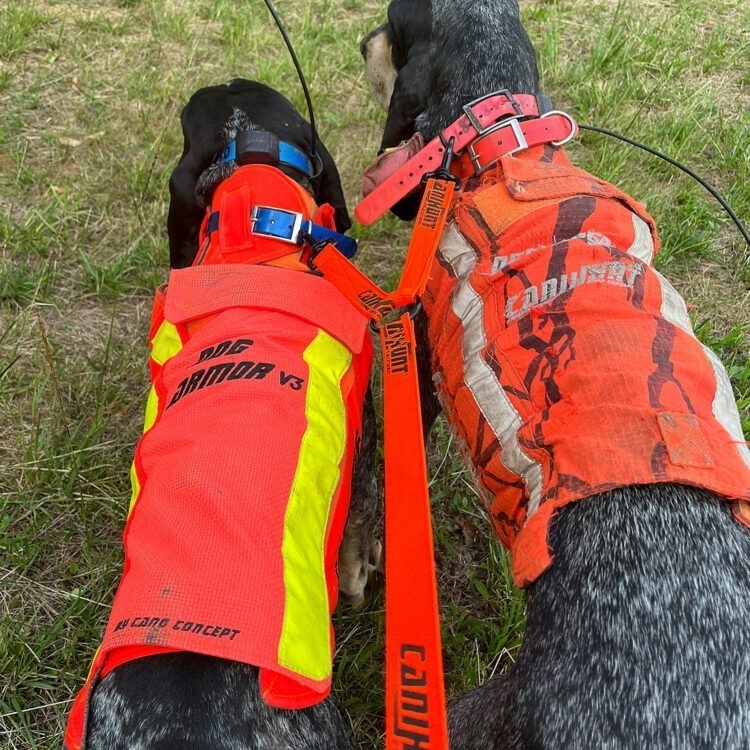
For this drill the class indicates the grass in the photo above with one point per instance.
(90, 94)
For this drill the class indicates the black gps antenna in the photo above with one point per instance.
(314, 157)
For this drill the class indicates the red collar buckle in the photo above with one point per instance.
(485, 112)
(509, 136)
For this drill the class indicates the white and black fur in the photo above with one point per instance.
(184, 700)
(637, 636)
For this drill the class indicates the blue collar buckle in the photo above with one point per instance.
(287, 226)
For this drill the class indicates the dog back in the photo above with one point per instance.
(556, 340)
(242, 478)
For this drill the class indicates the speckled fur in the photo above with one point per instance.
(179, 701)
(476, 48)
(637, 636)
(183, 700)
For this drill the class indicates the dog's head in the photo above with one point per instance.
(212, 118)
(434, 56)
(396, 58)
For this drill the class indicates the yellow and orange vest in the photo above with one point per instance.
(242, 479)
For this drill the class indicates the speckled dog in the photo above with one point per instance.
(180, 699)
(637, 632)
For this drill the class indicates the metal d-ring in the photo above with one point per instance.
(395, 314)
(573, 125)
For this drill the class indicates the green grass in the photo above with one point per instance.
(90, 94)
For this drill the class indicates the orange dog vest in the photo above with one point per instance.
(242, 479)
(566, 361)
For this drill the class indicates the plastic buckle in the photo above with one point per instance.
(293, 239)
(476, 123)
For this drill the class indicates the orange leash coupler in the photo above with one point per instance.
(414, 692)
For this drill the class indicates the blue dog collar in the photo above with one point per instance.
(262, 147)
(287, 226)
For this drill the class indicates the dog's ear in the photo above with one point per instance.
(407, 102)
(328, 188)
(410, 32)
(184, 218)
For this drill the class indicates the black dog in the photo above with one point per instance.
(181, 700)
(637, 634)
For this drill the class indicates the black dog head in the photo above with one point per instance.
(211, 118)
(444, 54)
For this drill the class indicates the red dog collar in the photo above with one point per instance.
(511, 136)
(481, 118)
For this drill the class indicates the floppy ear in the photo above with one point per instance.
(328, 188)
(184, 218)
(407, 102)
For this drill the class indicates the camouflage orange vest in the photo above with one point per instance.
(566, 361)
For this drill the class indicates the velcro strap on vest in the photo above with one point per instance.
(200, 291)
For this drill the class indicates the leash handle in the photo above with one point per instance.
(415, 707)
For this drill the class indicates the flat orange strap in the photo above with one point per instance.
(415, 708)
(415, 695)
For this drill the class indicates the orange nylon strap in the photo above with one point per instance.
(415, 713)
(414, 689)
(425, 236)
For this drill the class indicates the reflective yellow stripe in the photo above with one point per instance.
(165, 344)
(305, 646)
(135, 487)
(152, 409)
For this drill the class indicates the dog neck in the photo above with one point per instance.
(236, 229)
(251, 146)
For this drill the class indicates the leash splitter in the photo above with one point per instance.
(391, 317)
